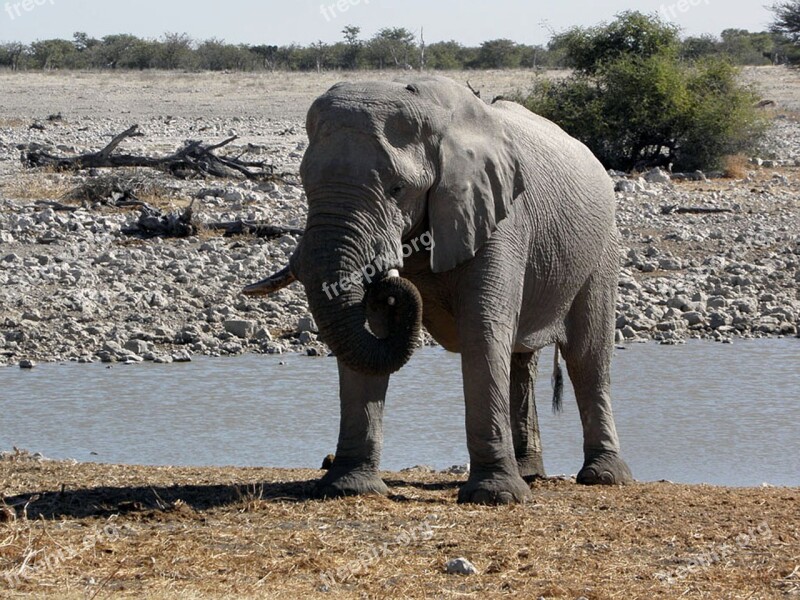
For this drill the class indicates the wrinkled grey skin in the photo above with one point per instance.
(524, 255)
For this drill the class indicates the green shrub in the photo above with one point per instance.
(645, 109)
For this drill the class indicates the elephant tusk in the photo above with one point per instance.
(272, 284)
(393, 273)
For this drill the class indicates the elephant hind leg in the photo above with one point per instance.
(524, 420)
(588, 351)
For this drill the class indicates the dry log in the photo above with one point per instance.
(692, 210)
(260, 229)
(193, 159)
(153, 222)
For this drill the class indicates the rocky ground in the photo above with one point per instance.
(73, 286)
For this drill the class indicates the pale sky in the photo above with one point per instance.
(305, 21)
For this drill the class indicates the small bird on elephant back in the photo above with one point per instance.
(488, 225)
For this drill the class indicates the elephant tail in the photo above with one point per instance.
(558, 383)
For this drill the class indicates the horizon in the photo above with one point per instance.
(310, 21)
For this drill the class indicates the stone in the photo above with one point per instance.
(657, 175)
(307, 324)
(139, 347)
(460, 566)
(241, 329)
(181, 357)
(719, 319)
(693, 318)
(27, 365)
(670, 263)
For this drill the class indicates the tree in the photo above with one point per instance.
(392, 45)
(787, 20)
(51, 54)
(631, 34)
(175, 51)
(268, 55)
(354, 46)
(445, 55)
(10, 55)
(498, 54)
(644, 107)
(694, 48)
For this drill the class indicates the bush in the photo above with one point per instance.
(646, 109)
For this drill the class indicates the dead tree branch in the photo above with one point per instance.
(192, 160)
(692, 210)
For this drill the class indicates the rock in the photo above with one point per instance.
(27, 364)
(457, 470)
(670, 263)
(182, 357)
(139, 347)
(693, 318)
(263, 335)
(307, 338)
(241, 329)
(307, 324)
(657, 175)
(460, 566)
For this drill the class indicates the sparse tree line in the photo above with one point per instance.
(389, 48)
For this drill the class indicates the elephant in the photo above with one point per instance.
(485, 223)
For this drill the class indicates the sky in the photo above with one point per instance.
(282, 22)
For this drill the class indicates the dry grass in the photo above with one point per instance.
(100, 531)
(35, 185)
(736, 166)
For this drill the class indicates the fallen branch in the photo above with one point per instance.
(154, 222)
(692, 210)
(194, 159)
(257, 228)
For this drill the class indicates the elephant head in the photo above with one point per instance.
(388, 163)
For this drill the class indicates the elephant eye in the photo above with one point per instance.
(396, 189)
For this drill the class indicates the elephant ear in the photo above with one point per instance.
(479, 179)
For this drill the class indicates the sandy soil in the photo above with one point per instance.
(84, 531)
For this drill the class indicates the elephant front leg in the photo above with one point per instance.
(358, 453)
(494, 474)
(524, 420)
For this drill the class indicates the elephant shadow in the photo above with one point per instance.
(103, 502)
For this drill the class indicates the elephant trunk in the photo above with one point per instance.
(333, 275)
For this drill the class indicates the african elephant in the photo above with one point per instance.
(489, 225)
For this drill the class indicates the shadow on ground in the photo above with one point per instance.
(107, 501)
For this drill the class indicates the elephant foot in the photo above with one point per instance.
(494, 488)
(531, 468)
(340, 482)
(605, 469)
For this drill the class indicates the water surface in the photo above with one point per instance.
(703, 412)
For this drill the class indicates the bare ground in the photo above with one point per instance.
(99, 531)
